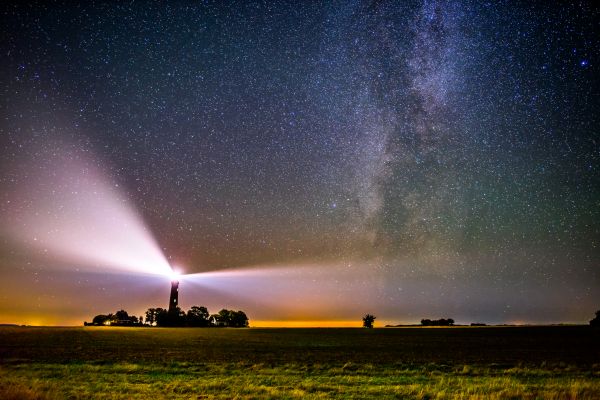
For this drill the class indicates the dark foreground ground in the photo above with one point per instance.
(487, 362)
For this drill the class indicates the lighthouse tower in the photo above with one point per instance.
(174, 299)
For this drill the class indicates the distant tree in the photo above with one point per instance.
(151, 316)
(122, 315)
(596, 321)
(161, 317)
(238, 319)
(368, 320)
(120, 318)
(197, 316)
(234, 319)
(100, 319)
(222, 318)
(224, 314)
(437, 322)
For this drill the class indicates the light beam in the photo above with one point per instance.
(69, 210)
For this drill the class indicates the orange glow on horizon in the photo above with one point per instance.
(36, 320)
(306, 324)
(46, 320)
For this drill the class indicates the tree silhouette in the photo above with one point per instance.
(238, 319)
(234, 319)
(122, 315)
(368, 320)
(112, 318)
(151, 316)
(596, 321)
(100, 319)
(197, 316)
(161, 317)
(437, 322)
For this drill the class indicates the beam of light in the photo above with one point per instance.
(282, 273)
(286, 292)
(70, 211)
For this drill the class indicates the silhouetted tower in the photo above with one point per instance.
(174, 300)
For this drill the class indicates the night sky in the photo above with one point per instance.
(322, 159)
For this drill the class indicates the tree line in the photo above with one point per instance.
(437, 322)
(196, 316)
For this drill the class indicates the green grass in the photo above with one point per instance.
(453, 363)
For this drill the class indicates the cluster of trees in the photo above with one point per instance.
(236, 319)
(120, 318)
(195, 317)
(437, 322)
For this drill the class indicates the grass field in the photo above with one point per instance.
(423, 363)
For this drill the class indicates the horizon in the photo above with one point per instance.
(42, 321)
(323, 324)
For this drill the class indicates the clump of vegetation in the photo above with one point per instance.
(368, 320)
(120, 318)
(235, 319)
(437, 322)
(196, 316)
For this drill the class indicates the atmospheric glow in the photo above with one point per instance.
(310, 324)
(82, 218)
(294, 292)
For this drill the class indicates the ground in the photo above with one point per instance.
(424, 363)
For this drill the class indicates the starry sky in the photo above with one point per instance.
(416, 159)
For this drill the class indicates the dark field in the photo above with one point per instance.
(506, 362)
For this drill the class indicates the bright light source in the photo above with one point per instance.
(175, 274)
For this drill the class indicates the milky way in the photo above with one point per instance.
(420, 159)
